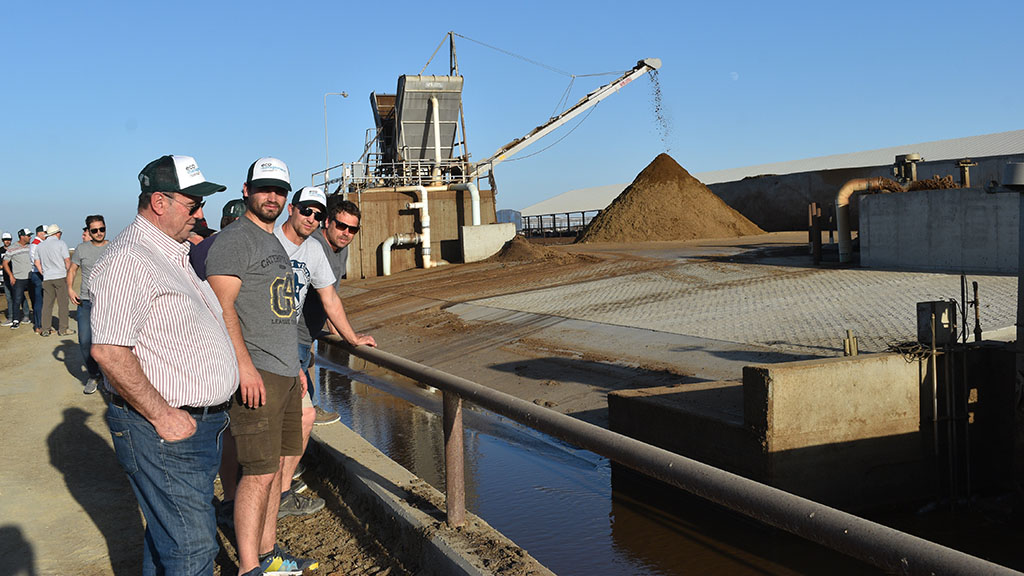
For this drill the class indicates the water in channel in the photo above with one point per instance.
(557, 501)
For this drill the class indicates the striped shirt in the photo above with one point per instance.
(146, 296)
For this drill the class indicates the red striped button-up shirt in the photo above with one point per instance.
(146, 296)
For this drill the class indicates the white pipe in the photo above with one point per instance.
(422, 206)
(436, 117)
(474, 196)
(385, 248)
(843, 211)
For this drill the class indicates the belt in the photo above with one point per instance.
(120, 402)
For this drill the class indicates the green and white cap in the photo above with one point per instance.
(267, 172)
(176, 174)
(310, 195)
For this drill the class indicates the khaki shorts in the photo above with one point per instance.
(265, 434)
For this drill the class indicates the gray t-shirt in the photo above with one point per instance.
(266, 299)
(313, 314)
(20, 258)
(51, 254)
(85, 256)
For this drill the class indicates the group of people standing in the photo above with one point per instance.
(41, 269)
(205, 348)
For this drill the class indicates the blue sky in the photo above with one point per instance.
(94, 91)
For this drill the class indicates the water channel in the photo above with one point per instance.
(557, 501)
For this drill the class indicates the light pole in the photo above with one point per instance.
(327, 155)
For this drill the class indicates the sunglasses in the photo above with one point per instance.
(192, 208)
(98, 230)
(342, 226)
(307, 211)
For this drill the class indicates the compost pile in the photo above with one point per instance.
(520, 249)
(663, 203)
(933, 183)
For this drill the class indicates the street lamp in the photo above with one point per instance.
(327, 155)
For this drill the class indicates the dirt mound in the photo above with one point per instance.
(933, 183)
(520, 249)
(665, 202)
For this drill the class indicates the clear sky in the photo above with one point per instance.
(92, 91)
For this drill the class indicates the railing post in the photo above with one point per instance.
(454, 470)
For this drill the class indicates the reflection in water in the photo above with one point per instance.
(555, 500)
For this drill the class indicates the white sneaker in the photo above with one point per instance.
(8, 323)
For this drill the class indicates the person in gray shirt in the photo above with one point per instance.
(85, 256)
(53, 259)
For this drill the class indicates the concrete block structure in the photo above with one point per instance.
(842, 431)
(952, 230)
(482, 242)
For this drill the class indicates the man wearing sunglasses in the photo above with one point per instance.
(85, 256)
(159, 336)
(340, 227)
(312, 268)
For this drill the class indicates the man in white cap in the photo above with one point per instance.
(14, 315)
(252, 276)
(158, 334)
(312, 268)
(53, 260)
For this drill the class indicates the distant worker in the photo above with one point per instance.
(159, 336)
(18, 265)
(12, 314)
(36, 279)
(84, 258)
(312, 268)
(53, 259)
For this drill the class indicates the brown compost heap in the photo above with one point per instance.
(665, 202)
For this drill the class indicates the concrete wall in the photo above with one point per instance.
(779, 202)
(957, 230)
(384, 214)
(845, 431)
(842, 431)
(482, 242)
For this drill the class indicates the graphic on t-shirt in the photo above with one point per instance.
(282, 296)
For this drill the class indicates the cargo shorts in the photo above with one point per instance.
(266, 433)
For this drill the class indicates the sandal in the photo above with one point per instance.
(67, 332)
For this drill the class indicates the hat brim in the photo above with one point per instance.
(203, 189)
(309, 203)
(270, 182)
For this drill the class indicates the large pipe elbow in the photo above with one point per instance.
(843, 212)
(474, 197)
(385, 248)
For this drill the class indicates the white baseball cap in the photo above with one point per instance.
(310, 195)
(176, 174)
(267, 172)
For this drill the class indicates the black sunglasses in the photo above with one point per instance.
(342, 226)
(192, 208)
(308, 211)
(98, 230)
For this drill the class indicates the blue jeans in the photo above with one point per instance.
(9, 293)
(85, 338)
(37, 298)
(305, 359)
(173, 483)
(20, 287)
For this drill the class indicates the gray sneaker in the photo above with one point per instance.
(293, 504)
(299, 486)
(90, 386)
(325, 416)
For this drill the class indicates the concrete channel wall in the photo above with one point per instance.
(841, 431)
(953, 230)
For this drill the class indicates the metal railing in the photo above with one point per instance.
(875, 544)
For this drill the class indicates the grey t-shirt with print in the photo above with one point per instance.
(266, 299)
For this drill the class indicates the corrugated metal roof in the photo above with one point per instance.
(998, 144)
